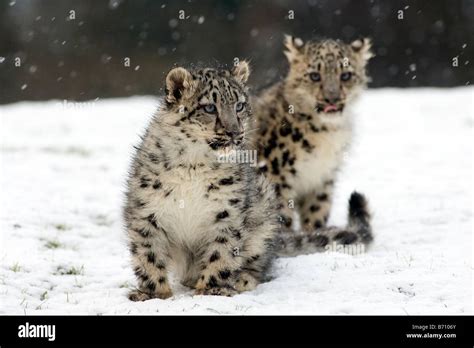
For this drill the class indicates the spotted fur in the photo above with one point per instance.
(305, 126)
(213, 224)
(357, 232)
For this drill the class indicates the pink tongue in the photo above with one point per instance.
(330, 107)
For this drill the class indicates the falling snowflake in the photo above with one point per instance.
(161, 51)
(113, 4)
(393, 70)
(439, 26)
(105, 58)
(201, 19)
(175, 35)
(173, 23)
(24, 86)
(254, 32)
(137, 67)
(2, 59)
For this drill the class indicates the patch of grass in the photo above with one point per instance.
(62, 227)
(44, 296)
(15, 267)
(72, 150)
(52, 244)
(73, 270)
(125, 285)
(101, 220)
(78, 151)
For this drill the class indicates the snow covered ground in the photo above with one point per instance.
(63, 250)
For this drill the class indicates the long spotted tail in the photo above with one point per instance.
(357, 233)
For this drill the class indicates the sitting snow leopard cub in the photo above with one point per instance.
(212, 223)
(304, 124)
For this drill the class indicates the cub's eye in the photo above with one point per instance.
(210, 108)
(314, 76)
(239, 106)
(346, 76)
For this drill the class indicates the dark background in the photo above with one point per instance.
(83, 58)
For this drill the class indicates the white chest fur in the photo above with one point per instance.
(186, 213)
(320, 165)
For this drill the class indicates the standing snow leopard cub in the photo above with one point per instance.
(305, 125)
(212, 223)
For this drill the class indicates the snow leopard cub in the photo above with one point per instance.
(305, 125)
(212, 223)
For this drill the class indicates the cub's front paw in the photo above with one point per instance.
(137, 295)
(245, 282)
(219, 291)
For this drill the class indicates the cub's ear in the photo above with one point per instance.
(179, 83)
(362, 47)
(241, 71)
(294, 47)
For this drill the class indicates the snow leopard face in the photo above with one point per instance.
(212, 104)
(326, 75)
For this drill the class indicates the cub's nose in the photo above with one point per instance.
(236, 137)
(233, 134)
(332, 100)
